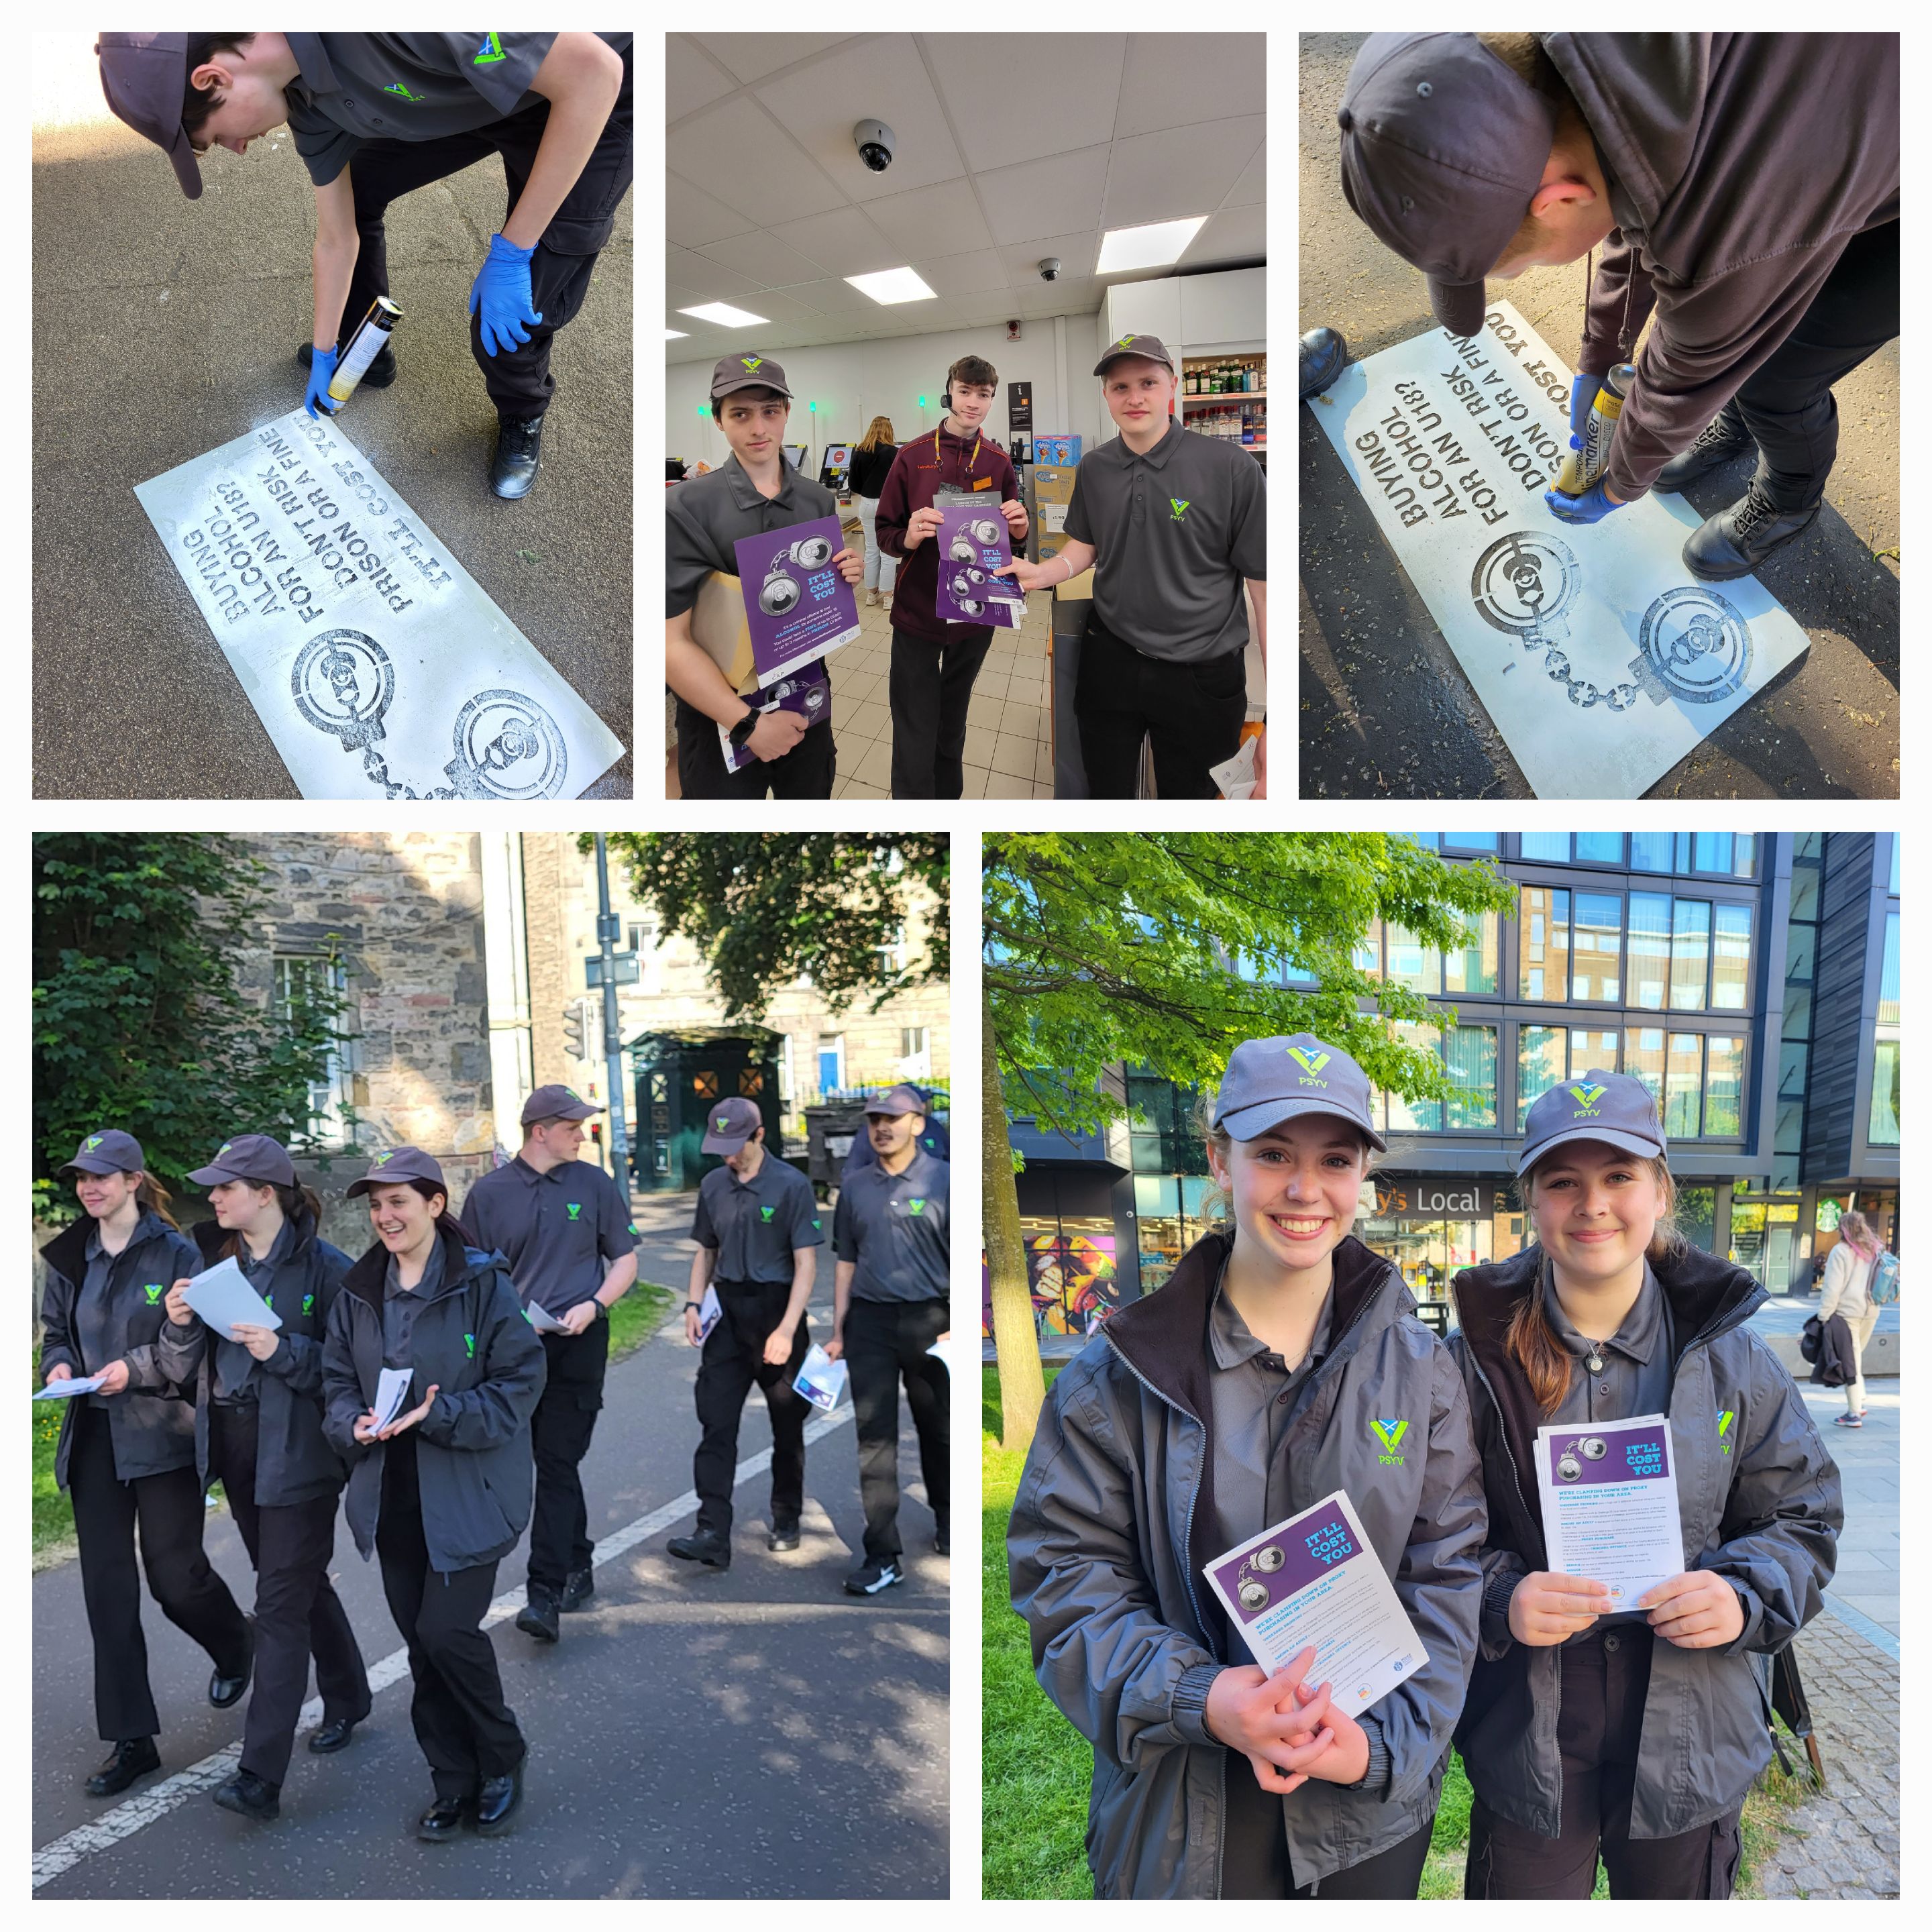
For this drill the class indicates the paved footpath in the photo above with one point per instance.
(756, 1734)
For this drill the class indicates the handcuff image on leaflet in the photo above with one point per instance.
(781, 592)
(967, 585)
(981, 532)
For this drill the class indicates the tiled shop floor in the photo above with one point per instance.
(1009, 733)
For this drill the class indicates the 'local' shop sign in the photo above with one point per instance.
(1601, 659)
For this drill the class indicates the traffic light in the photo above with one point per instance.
(574, 1043)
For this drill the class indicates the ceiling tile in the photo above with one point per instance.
(763, 257)
(1235, 235)
(691, 80)
(833, 296)
(980, 271)
(945, 217)
(751, 56)
(841, 243)
(1015, 97)
(716, 283)
(1064, 191)
(1252, 185)
(1174, 80)
(1181, 171)
(750, 164)
(692, 217)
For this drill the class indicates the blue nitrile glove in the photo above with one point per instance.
(1592, 507)
(1582, 393)
(319, 371)
(502, 286)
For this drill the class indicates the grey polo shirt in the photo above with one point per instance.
(756, 1225)
(705, 516)
(401, 1306)
(1178, 531)
(894, 1227)
(354, 87)
(558, 1231)
(234, 1366)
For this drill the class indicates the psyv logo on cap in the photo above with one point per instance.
(1587, 1098)
(1310, 1064)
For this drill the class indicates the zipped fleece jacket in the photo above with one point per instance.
(1112, 1527)
(473, 1343)
(152, 1426)
(1760, 1501)
(1739, 165)
(294, 1462)
(916, 478)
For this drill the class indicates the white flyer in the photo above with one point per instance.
(1315, 1579)
(379, 666)
(710, 1312)
(542, 1320)
(223, 1295)
(1234, 778)
(1608, 1492)
(64, 1391)
(392, 1390)
(820, 1380)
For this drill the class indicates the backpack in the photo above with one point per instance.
(1884, 1286)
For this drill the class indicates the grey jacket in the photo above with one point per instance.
(1110, 1535)
(151, 1426)
(1761, 1506)
(472, 1343)
(294, 1462)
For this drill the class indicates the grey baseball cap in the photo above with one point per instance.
(557, 1103)
(1442, 146)
(902, 1099)
(112, 1152)
(144, 76)
(730, 1124)
(248, 1157)
(747, 372)
(1614, 1108)
(1151, 346)
(399, 1163)
(1270, 1081)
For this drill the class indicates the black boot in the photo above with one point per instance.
(253, 1797)
(1735, 542)
(333, 1735)
(223, 1690)
(783, 1536)
(706, 1547)
(579, 1587)
(518, 446)
(538, 1618)
(443, 1820)
(380, 374)
(1722, 438)
(497, 1801)
(130, 1759)
(1324, 355)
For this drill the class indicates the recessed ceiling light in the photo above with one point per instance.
(675, 334)
(724, 314)
(893, 285)
(1153, 246)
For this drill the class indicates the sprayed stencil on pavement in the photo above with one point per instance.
(376, 662)
(1601, 660)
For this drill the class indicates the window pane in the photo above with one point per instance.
(1412, 963)
(1690, 952)
(1800, 952)
(1683, 1079)
(1546, 845)
(1544, 938)
(1367, 954)
(1883, 1131)
(1681, 856)
(1643, 1057)
(1470, 1053)
(1744, 861)
(1805, 892)
(1592, 1051)
(1724, 1088)
(1649, 948)
(1599, 848)
(1887, 983)
(1790, 1127)
(1593, 942)
(1895, 865)
(1714, 851)
(1430, 842)
(1155, 1194)
(1797, 1012)
(1650, 851)
(1472, 968)
(1483, 841)
(1539, 1065)
(1730, 958)
(1807, 845)
(1422, 1116)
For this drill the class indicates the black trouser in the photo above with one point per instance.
(931, 686)
(1193, 712)
(566, 1413)
(1255, 1862)
(1606, 1678)
(733, 1359)
(886, 1342)
(170, 1512)
(806, 771)
(1788, 406)
(466, 1731)
(297, 1612)
(518, 378)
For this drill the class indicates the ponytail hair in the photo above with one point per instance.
(151, 1195)
(294, 1202)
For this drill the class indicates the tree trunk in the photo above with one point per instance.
(1022, 1385)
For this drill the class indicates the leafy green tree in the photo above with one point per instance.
(139, 1021)
(1166, 950)
(768, 908)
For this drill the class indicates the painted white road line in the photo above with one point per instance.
(134, 1814)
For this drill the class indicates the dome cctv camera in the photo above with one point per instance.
(1049, 269)
(875, 141)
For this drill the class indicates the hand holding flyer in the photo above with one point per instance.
(797, 606)
(973, 544)
(710, 1312)
(820, 1380)
(809, 692)
(1608, 1495)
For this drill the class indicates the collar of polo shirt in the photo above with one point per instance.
(317, 70)
(1156, 457)
(744, 493)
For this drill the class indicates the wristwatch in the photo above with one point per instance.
(694, 1304)
(741, 732)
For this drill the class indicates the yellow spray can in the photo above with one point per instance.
(1581, 467)
(372, 335)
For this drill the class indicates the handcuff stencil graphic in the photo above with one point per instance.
(1588, 1448)
(967, 585)
(970, 539)
(782, 592)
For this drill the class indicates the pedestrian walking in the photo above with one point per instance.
(564, 1226)
(1632, 1736)
(1281, 1361)
(890, 1288)
(871, 464)
(126, 1456)
(757, 1228)
(258, 1431)
(1848, 1271)
(441, 1493)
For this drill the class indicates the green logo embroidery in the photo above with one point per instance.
(633, 1227)
(1588, 1096)
(382, 1157)
(752, 361)
(91, 1141)
(1180, 506)
(397, 88)
(916, 1206)
(470, 1346)
(1309, 1063)
(1724, 1419)
(308, 1304)
(268, 1303)
(724, 1125)
(153, 1292)
(1389, 1431)
(764, 1213)
(574, 1094)
(817, 1223)
(1123, 341)
(223, 1149)
(574, 1208)
(491, 51)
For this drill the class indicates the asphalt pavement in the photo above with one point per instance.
(752, 1734)
(1386, 710)
(163, 328)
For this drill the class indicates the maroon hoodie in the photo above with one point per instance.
(917, 475)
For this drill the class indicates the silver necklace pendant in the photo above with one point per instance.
(1593, 1363)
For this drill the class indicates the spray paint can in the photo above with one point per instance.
(1581, 467)
(371, 335)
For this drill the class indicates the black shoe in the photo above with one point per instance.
(538, 1618)
(1734, 541)
(706, 1547)
(1324, 355)
(1719, 440)
(130, 1759)
(942, 1540)
(869, 1579)
(497, 1801)
(783, 1536)
(253, 1797)
(579, 1587)
(224, 1691)
(333, 1735)
(518, 446)
(443, 1820)
(380, 374)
